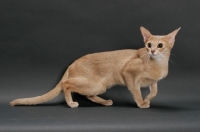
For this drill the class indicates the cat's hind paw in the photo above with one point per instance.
(108, 102)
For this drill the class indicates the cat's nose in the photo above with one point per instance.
(152, 51)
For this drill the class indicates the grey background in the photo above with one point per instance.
(40, 38)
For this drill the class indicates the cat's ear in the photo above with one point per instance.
(145, 33)
(171, 37)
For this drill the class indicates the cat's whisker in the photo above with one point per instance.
(147, 57)
(171, 54)
(161, 58)
(143, 56)
(174, 63)
(168, 53)
(169, 59)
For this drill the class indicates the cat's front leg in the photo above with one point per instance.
(152, 94)
(135, 90)
(134, 87)
(138, 98)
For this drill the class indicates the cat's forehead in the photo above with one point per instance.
(156, 39)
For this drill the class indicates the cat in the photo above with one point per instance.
(93, 74)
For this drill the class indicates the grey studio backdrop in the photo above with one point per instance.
(40, 38)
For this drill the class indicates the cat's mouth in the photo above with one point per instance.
(155, 55)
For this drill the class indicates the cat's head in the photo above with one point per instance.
(157, 45)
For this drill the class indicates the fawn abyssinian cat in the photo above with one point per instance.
(92, 74)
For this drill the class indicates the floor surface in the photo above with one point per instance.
(175, 108)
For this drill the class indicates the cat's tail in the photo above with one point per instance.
(39, 99)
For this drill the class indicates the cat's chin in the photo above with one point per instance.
(156, 57)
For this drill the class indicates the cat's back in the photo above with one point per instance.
(111, 61)
(117, 55)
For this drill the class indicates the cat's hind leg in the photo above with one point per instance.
(84, 87)
(99, 100)
(67, 88)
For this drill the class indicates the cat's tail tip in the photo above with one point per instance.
(15, 102)
(12, 103)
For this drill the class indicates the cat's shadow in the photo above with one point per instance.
(156, 107)
(132, 105)
(167, 108)
(126, 103)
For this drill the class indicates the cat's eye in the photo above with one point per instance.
(160, 45)
(149, 45)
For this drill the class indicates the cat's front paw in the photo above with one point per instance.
(144, 105)
(73, 104)
(147, 101)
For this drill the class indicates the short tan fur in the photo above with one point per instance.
(93, 74)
